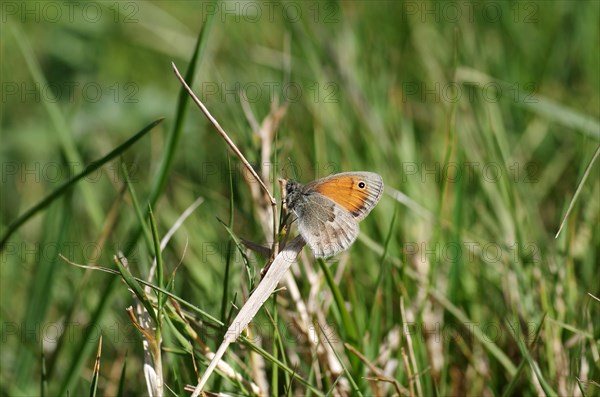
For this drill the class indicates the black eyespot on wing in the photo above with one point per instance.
(362, 184)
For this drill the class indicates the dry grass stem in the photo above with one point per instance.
(223, 134)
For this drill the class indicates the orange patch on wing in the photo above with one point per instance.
(346, 192)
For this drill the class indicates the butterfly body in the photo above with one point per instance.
(329, 209)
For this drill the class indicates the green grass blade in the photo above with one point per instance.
(72, 373)
(353, 384)
(96, 372)
(578, 190)
(539, 104)
(348, 325)
(136, 206)
(159, 261)
(55, 227)
(508, 391)
(61, 127)
(181, 339)
(207, 317)
(14, 225)
(43, 379)
(121, 388)
(281, 365)
(136, 288)
(229, 245)
(181, 111)
(477, 333)
(532, 364)
(515, 332)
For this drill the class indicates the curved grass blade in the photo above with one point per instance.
(96, 375)
(135, 287)
(579, 187)
(349, 326)
(136, 205)
(532, 364)
(57, 118)
(539, 104)
(14, 225)
(508, 391)
(229, 244)
(120, 390)
(353, 384)
(159, 264)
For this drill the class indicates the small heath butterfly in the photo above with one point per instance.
(330, 208)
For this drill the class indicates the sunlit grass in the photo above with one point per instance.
(487, 125)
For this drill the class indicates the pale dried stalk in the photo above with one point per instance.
(152, 353)
(153, 365)
(223, 134)
(280, 265)
(266, 133)
(165, 240)
(411, 351)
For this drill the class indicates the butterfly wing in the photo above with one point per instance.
(327, 228)
(356, 192)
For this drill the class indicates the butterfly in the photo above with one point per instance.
(328, 210)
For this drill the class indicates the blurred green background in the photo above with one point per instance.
(480, 116)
